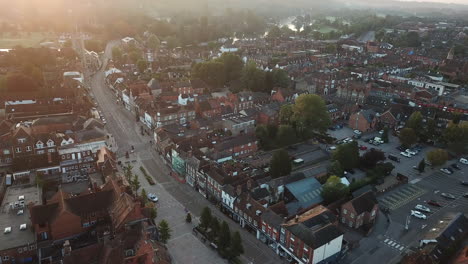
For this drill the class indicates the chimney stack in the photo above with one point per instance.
(239, 190)
(297, 218)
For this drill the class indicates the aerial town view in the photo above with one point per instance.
(233, 132)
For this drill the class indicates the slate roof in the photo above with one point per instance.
(315, 239)
(364, 203)
(306, 191)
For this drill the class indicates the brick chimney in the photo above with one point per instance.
(249, 184)
(239, 190)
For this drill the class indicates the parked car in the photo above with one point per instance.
(332, 148)
(448, 196)
(357, 132)
(418, 214)
(405, 154)
(347, 140)
(464, 183)
(394, 158)
(455, 166)
(152, 197)
(464, 161)
(434, 203)
(446, 171)
(422, 208)
(381, 132)
(362, 147)
(411, 152)
(401, 148)
(465, 195)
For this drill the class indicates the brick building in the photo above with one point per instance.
(360, 211)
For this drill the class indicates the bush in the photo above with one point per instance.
(147, 177)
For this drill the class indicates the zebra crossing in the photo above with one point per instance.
(393, 244)
(402, 196)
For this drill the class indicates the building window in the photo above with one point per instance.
(345, 211)
(18, 150)
(28, 148)
(51, 150)
(343, 220)
(6, 257)
(6, 152)
(373, 213)
(21, 140)
(85, 224)
(352, 215)
(40, 152)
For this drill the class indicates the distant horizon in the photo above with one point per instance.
(463, 2)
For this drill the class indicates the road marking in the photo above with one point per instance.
(386, 240)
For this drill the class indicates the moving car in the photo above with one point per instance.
(405, 154)
(152, 197)
(422, 208)
(448, 196)
(446, 171)
(434, 203)
(418, 214)
(464, 161)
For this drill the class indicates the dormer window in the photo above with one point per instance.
(39, 145)
(50, 143)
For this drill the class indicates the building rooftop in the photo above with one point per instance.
(9, 216)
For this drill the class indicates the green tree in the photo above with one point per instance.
(274, 33)
(280, 78)
(135, 183)
(144, 196)
(94, 45)
(310, 115)
(253, 78)
(261, 132)
(164, 231)
(214, 228)
(437, 157)
(286, 135)
(334, 190)
(347, 155)
(456, 137)
(128, 172)
(153, 42)
(415, 121)
(335, 169)
(371, 158)
(408, 137)
(205, 218)
(153, 212)
(117, 54)
(233, 66)
(280, 164)
(286, 114)
(224, 239)
(385, 135)
(422, 166)
(142, 65)
(212, 72)
(134, 56)
(236, 246)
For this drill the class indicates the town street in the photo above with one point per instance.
(121, 123)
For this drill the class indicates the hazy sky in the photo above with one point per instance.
(442, 1)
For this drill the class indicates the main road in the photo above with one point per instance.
(126, 131)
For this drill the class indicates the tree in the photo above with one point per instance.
(253, 78)
(142, 65)
(117, 54)
(188, 218)
(236, 246)
(408, 137)
(134, 56)
(285, 114)
(422, 166)
(153, 42)
(385, 135)
(275, 32)
(164, 231)
(212, 72)
(456, 137)
(310, 114)
(233, 66)
(336, 169)
(347, 155)
(153, 212)
(286, 135)
(144, 195)
(280, 164)
(224, 239)
(261, 132)
(205, 218)
(135, 183)
(437, 157)
(371, 157)
(415, 121)
(128, 172)
(18, 82)
(214, 227)
(94, 45)
(334, 190)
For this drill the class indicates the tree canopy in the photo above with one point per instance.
(437, 157)
(347, 155)
(408, 137)
(280, 164)
(310, 115)
(334, 190)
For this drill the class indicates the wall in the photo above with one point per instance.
(327, 250)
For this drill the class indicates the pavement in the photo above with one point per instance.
(174, 196)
